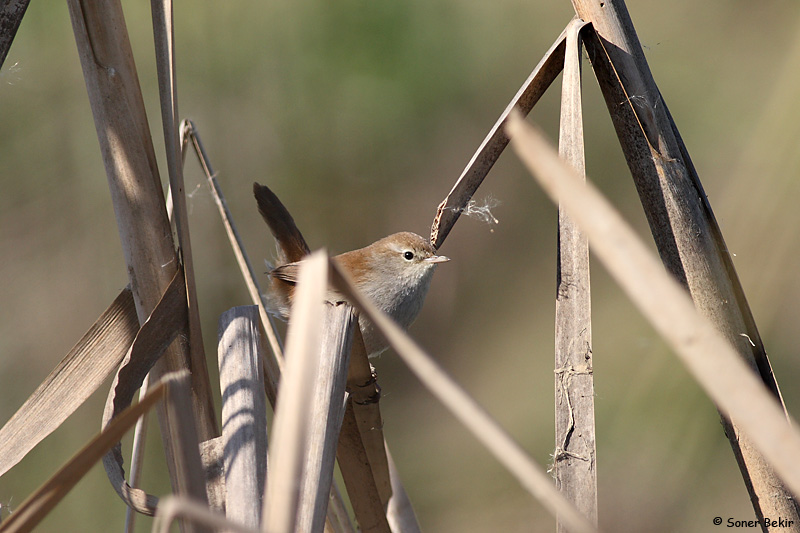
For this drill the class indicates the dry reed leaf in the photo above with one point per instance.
(495, 142)
(87, 365)
(288, 442)
(156, 334)
(38, 504)
(467, 410)
(730, 383)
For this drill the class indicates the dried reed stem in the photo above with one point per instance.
(164, 38)
(288, 444)
(358, 477)
(127, 150)
(244, 414)
(574, 460)
(189, 468)
(325, 402)
(82, 371)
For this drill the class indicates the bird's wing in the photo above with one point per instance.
(287, 272)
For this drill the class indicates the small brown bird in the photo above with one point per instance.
(395, 272)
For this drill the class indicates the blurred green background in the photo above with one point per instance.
(361, 115)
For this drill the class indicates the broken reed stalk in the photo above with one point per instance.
(244, 414)
(574, 459)
(129, 158)
(495, 142)
(681, 220)
(139, 444)
(708, 356)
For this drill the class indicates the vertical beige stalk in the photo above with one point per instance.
(164, 37)
(289, 442)
(244, 414)
(574, 460)
(683, 225)
(127, 150)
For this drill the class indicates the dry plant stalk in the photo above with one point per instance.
(574, 459)
(127, 149)
(164, 38)
(365, 395)
(683, 225)
(189, 469)
(325, 403)
(708, 356)
(288, 444)
(159, 330)
(358, 477)
(244, 414)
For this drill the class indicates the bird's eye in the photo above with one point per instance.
(408, 255)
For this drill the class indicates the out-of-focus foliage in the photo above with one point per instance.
(360, 115)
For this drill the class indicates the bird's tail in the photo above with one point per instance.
(292, 246)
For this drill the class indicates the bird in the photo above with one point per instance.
(394, 272)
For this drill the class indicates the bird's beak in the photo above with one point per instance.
(437, 259)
